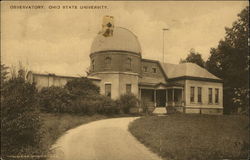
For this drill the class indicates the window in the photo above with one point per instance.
(128, 63)
(192, 94)
(154, 70)
(108, 90)
(128, 88)
(216, 95)
(145, 69)
(199, 94)
(93, 64)
(210, 95)
(108, 62)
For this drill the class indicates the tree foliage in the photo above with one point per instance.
(230, 62)
(20, 118)
(194, 57)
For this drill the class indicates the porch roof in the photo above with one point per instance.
(161, 85)
(151, 80)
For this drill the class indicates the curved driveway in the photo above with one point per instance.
(102, 140)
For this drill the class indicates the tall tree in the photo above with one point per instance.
(194, 57)
(230, 62)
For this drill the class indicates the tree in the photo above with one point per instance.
(19, 71)
(194, 57)
(20, 120)
(230, 62)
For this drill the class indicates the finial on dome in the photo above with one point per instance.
(107, 26)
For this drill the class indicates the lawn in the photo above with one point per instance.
(55, 125)
(194, 137)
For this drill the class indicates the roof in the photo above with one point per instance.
(122, 40)
(186, 70)
(151, 80)
(59, 75)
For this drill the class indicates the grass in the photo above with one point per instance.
(194, 137)
(55, 125)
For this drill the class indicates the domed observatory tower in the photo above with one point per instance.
(116, 60)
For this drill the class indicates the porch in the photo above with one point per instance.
(163, 95)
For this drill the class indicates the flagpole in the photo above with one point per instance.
(163, 37)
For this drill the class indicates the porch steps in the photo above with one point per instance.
(160, 110)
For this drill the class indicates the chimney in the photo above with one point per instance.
(108, 26)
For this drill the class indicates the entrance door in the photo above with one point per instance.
(160, 98)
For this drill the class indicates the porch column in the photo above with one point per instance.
(182, 97)
(182, 100)
(166, 97)
(173, 97)
(139, 94)
(155, 97)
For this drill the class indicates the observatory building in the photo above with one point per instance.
(117, 67)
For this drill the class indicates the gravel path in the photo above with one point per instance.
(102, 140)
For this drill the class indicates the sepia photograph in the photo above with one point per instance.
(125, 80)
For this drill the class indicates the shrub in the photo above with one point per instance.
(82, 87)
(127, 101)
(55, 100)
(108, 106)
(20, 118)
(79, 96)
(146, 104)
(96, 104)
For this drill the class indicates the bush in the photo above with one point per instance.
(55, 100)
(127, 101)
(82, 87)
(146, 104)
(59, 100)
(95, 104)
(108, 106)
(20, 118)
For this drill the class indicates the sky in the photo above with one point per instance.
(59, 40)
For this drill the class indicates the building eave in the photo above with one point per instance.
(195, 79)
(116, 51)
(60, 76)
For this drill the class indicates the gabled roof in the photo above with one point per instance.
(186, 70)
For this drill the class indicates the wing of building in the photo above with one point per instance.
(117, 67)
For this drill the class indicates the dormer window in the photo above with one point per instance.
(108, 62)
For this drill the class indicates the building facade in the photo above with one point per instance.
(117, 67)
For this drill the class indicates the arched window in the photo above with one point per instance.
(128, 63)
(107, 62)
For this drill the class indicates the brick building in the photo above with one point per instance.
(117, 67)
